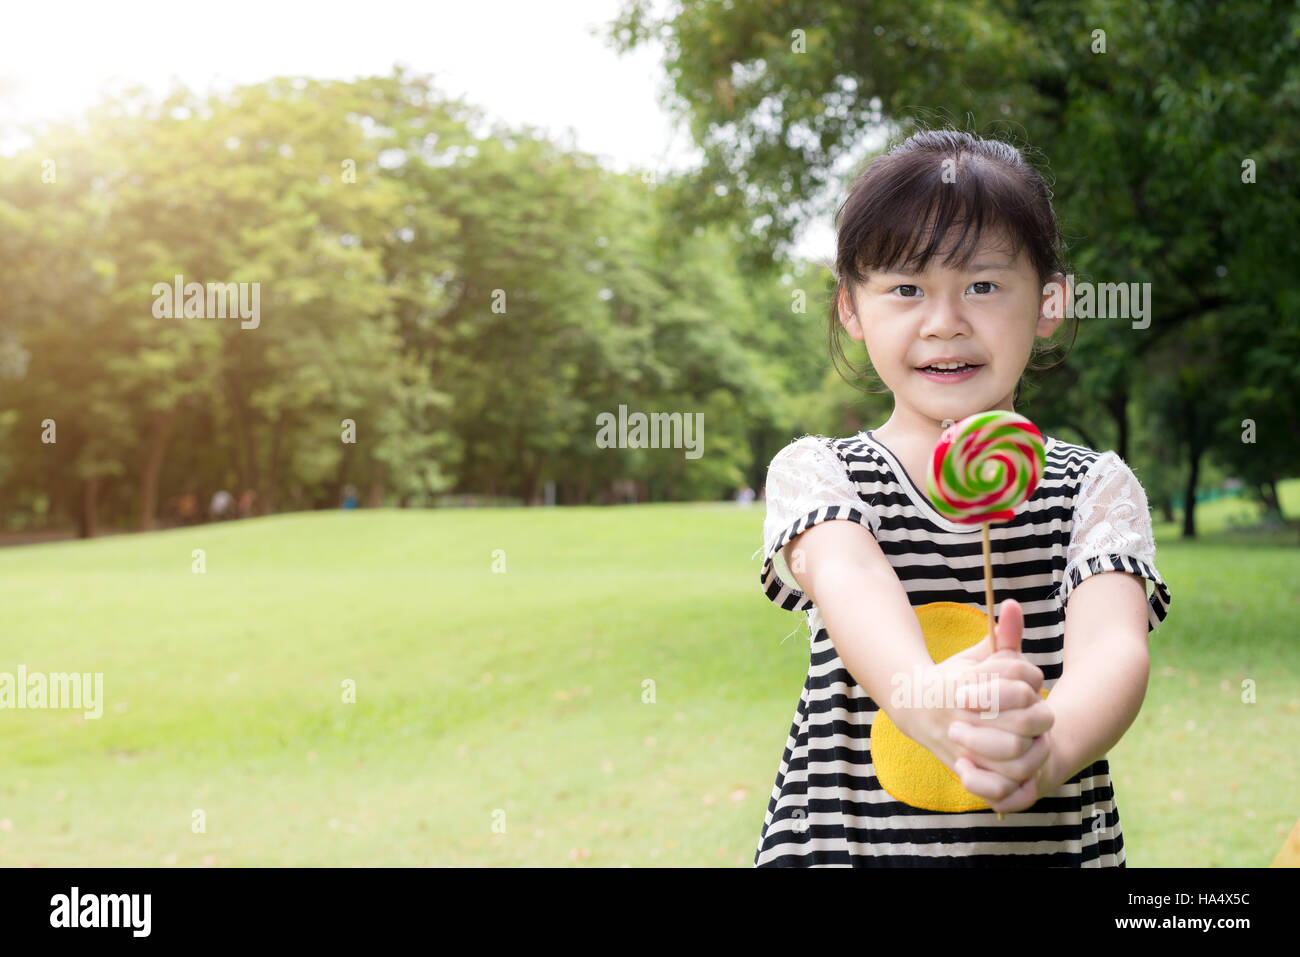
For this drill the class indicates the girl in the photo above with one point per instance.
(949, 264)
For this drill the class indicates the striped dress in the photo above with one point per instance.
(1089, 515)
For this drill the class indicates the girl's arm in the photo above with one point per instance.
(1104, 677)
(839, 565)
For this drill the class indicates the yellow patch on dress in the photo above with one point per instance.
(906, 770)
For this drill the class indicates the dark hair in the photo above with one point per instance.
(905, 192)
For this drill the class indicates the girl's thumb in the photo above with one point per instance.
(1011, 627)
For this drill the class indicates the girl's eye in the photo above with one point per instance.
(913, 295)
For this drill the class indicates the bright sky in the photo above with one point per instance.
(522, 61)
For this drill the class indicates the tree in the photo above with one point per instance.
(1148, 114)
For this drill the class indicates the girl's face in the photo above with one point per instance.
(985, 315)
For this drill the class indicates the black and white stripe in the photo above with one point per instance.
(827, 807)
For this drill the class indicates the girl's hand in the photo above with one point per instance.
(1014, 782)
(1001, 758)
(998, 758)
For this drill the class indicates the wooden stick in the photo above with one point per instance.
(988, 583)
(988, 593)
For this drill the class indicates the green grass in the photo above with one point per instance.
(518, 696)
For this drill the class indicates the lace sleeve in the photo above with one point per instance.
(1112, 532)
(807, 483)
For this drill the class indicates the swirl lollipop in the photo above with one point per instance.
(982, 469)
(984, 466)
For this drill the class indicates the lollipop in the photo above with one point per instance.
(982, 469)
(984, 466)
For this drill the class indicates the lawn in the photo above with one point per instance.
(618, 694)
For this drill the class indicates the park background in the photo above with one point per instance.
(471, 295)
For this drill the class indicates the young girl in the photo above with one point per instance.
(949, 265)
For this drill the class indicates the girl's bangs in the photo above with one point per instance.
(916, 219)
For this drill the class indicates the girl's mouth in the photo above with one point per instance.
(960, 374)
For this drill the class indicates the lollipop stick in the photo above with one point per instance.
(988, 580)
(988, 590)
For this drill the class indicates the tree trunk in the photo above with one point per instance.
(377, 485)
(1268, 495)
(1194, 459)
(533, 483)
(56, 492)
(341, 479)
(252, 476)
(1088, 440)
(1189, 502)
(1275, 498)
(234, 389)
(266, 498)
(161, 429)
(88, 519)
(1117, 404)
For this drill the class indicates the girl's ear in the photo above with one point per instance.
(1052, 306)
(848, 315)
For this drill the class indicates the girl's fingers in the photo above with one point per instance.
(1030, 721)
(1014, 666)
(1002, 695)
(1020, 799)
(989, 785)
(988, 743)
(997, 758)
(995, 672)
(1023, 713)
(1003, 794)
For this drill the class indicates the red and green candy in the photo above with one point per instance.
(984, 466)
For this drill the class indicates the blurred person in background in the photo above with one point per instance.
(221, 505)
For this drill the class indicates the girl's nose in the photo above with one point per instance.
(945, 316)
